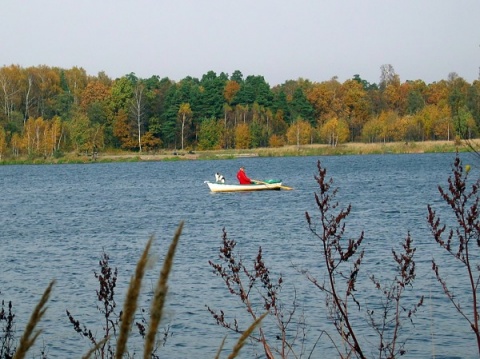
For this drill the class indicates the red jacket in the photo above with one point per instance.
(242, 177)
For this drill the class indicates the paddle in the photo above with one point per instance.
(282, 187)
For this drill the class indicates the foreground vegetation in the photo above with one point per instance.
(260, 293)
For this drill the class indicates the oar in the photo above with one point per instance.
(269, 184)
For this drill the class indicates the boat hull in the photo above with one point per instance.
(223, 187)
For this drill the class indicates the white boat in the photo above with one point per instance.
(264, 186)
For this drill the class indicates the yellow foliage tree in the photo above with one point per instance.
(334, 131)
(402, 127)
(230, 90)
(372, 130)
(387, 121)
(242, 136)
(276, 141)
(299, 133)
(56, 132)
(33, 135)
(16, 144)
(432, 116)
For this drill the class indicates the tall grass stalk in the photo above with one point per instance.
(246, 334)
(96, 347)
(29, 337)
(130, 305)
(217, 355)
(160, 295)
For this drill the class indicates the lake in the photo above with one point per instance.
(57, 220)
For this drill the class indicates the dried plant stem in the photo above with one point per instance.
(27, 340)
(246, 334)
(160, 295)
(96, 347)
(130, 305)
(217, 355)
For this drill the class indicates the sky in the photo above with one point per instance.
(281, 40)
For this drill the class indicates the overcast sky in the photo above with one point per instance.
(278, 39)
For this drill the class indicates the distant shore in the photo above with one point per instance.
(285, 151)
(292, 151)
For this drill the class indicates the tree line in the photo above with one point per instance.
(48, 111)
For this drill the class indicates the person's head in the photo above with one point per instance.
(242, 168)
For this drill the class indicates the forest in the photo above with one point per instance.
(50, 111)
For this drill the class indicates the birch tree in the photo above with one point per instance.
(138, 109)
(185, 114)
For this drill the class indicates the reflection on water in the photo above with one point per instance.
(56, 220)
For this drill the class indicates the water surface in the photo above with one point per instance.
(57, 219)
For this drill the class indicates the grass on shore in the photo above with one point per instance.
(285, 151)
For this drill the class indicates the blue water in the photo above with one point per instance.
(57, 219)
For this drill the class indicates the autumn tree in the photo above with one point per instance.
(95, 92)
(242, 136)
(430, 119)
(325, 99)
(404, 129)
(299, 133)
(355, 106)
(10, 86)
(56, 133)
(230, 90)
(387, 121)
(150, 142)
(334, 131)
(33, 135)
(17, 144)
(276, 141)
(372, 130)
(123, 130)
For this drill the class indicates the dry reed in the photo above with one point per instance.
(27, 340)
(160, 295)
(96, 347)
(217, 355)
(246, 334)
(130, 305)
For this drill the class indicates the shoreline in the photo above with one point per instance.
(285, 151)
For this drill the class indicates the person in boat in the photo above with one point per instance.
(242, 177)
